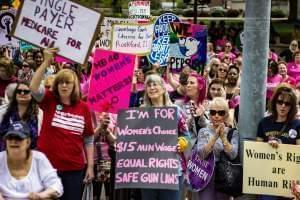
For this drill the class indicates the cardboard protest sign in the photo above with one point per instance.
(188, 44)
(270, 171)
(132, 38)
(7, 18)
(105, 31)
(110, 81)
(58, 23)
(146, 148)
(139, 10)
(160, 46)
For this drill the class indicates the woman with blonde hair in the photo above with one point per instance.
(67, 133)
(214, 139)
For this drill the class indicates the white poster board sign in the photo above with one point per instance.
(132, 38)
(58, 23)
(139, 9)
(7, 18)
(105, 30)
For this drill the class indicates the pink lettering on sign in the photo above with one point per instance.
(130, 177)
(165, 113)
(60, 59)
(110, 82)
(149, 177)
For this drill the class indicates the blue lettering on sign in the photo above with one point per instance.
(161, 25)
(160, 51)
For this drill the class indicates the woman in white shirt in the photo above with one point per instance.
(25, 173)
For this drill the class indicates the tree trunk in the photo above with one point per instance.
(293, 16)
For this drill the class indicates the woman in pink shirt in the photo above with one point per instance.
(227, 52)
(282, 70)
(293, 68)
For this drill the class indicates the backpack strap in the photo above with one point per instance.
(230, 134)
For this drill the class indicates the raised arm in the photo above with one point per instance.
(39, 74)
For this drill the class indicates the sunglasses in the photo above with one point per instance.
(281, 102)
(20, 91)
(219, 112)
(222, 70)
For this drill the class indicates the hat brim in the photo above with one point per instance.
(16, 133)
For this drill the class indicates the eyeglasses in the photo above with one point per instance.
(219, 112)
(21, 91)
(294, 45)
(228, 46)
(222, 70)
(281, 102)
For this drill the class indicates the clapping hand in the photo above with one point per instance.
(296, 190)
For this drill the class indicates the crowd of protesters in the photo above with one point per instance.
(52, 143)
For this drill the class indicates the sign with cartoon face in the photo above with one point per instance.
(188, 44)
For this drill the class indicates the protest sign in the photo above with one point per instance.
(132, 38)
(7, 18)
(110, 81)
(24, 46)
(161, 25)
(160, 46)
(199, 171)
(188, 44)
(160, 50)
(59, 23)
(105, 31)
(146, 148)
(139, 10)
(270, 171)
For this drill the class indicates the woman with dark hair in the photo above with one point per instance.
(38, 57)
(232, 88)
(273, 79)
(216, 88)
(7, 74)
(281, 127)
(25, 173)
(293, 68)
(24, 108)
(67, 133)
(25, 74)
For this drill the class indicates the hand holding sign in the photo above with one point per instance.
(49, 53)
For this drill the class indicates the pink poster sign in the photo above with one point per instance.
(110, 82)
(60, 59)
